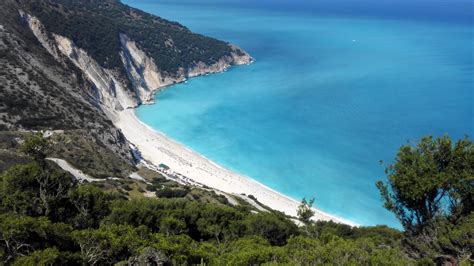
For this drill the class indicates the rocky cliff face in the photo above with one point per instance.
(142, 71)
(147, 78)
(41, 34)
(237, 57)
(47, 81)
(109, 91)
(41, 89)
(144, 76)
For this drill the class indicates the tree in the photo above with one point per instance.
(219, 222)
(430, 189)
(49, 256)
(435, 178)
(444, 242)
(135, 212)
(36, 147)
(333, 250)
(172, 226)
(20, 235)
(274, 228)
(53, 188)
(180, 249)
(34, 190)
(18, 189)
(91, 203)
(110, 244)
(305, 211)
(94, 245)
(148, 256)
(249, 250)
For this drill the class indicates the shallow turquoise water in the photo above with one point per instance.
(335, 89)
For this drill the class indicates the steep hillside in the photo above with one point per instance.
(71, 65)
(39, 92)
(137, 51)
(96, 25)
(71, 68)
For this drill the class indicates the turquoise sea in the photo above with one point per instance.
(336, 88)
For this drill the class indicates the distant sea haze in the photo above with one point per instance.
(336, 88)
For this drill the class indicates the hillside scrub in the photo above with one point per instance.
(48, 218)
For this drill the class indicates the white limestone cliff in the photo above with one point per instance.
(110, 92)
(145, 77)
(40, 32)
(142, 71)
(237, 57)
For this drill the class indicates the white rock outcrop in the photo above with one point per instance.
(237, 57)
(142, 71)
(40, 32)
(145, 77)
(110, 92)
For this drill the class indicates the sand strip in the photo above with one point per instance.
(156, 148)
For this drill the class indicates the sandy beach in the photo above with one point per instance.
(157, 149)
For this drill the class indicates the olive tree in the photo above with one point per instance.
(434, 178)
(305, 211)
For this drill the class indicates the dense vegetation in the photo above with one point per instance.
(38, 92)
(34, 97)
(75, 146)
(431, 191)
(95, 26)
(46, 217)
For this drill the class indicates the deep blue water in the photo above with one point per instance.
(337, 87)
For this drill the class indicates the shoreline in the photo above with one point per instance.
(156, 148)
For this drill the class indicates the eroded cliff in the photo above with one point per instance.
(110, 90)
